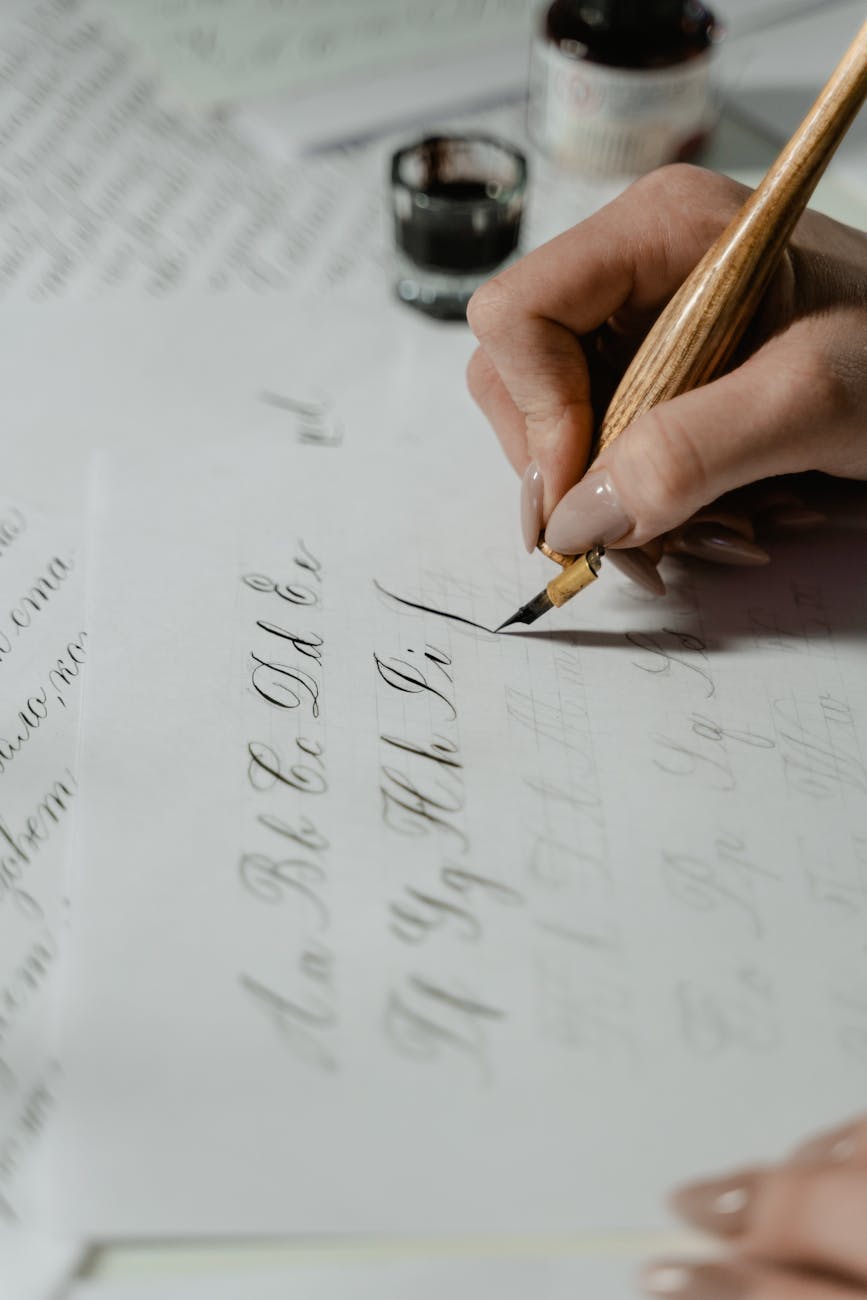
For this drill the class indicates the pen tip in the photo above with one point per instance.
(528, 613)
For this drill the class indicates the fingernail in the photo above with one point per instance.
(718, 545)
(721, 1205)
(734, 521)
(769, 497)
(792, 519)
(639, 568)
(532, 489)
(689, 1281)
(590, 514)
(836, 1147)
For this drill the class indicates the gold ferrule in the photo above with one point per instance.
(583, 570)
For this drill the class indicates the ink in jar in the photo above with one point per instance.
(457, 203)
(622, 86)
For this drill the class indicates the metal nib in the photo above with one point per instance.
(528, 613)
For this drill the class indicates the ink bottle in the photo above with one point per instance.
(457, 203)
(622, 86)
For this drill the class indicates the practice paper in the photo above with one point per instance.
(507, 1277)
(386, 923)
(108, 188)
(34, 1266)
(339, 69)
(43, 647)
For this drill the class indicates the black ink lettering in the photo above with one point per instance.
(429, 609)
(297, 1025)
(309, 645)
(406, 677)
(265, 762)
(288, 693)
(295, 594)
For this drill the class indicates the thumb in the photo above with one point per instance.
(753, 423)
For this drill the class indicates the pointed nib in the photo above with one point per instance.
(528, 613)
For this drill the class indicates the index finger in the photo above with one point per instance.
(630, 256)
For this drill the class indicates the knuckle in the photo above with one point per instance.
(670, 178)
(673, 478)
(817, 392)
(830, 374)
(685, 185)
(490, 308)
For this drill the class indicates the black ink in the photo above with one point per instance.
(296, 1024)
(271, 881)
(35, 600)
(439, 751)
(295, 595)
(429, 609)
(401, 675)
(414, 920)
(310, 645)
(306, 834)
(421, 809)
(286, 694)
(300, 777)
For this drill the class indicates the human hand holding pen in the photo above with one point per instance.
(556, 330)
(792, 1231)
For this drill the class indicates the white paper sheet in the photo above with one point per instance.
(425, 1278)
(320, 73)
(107, 188)
(412, 928)
(237, 49)
(43, 648)
(34, 1266)
(111, 191)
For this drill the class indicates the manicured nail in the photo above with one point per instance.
(791, 519)
(638, 567)
(532, 490)
(734, 521)
(836, 1147)
(718, 545)
(686, 1280)
(769, 497)
(590, 514)
(721, 1205)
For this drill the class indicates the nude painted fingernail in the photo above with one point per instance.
(721, 1205)
(686, 1280)
(718, 545)
(639, 568)
(836, 1147)
(590, 514)
(734, 521)
(532, 490)
(792, 519)
(768, 498)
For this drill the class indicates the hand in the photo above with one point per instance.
(794, 1231)
(556, 329)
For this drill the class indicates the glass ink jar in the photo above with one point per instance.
(457, 203)
(622, 86)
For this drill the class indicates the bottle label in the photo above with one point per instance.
(617, 120)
